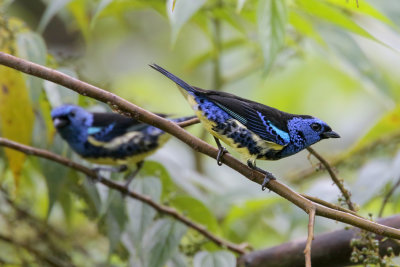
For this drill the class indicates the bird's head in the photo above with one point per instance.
(71, 121)
(306, 130)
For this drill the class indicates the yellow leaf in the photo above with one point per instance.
(16, 115)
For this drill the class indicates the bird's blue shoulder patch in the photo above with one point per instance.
(281, 137)
(93, 130)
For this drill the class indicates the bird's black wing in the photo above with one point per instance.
(267, 122)
(107, 126)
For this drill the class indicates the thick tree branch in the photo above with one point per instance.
(335, 179)
(329, 250)
(122, 189)
(145, 116)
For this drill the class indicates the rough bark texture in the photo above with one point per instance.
(328, 250)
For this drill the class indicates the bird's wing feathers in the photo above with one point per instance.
(267, 122)
(107, 126)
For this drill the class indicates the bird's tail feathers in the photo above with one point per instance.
(174, 78)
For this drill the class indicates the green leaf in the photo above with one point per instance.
(216, 259)
(54, 175)
(57, 94)
(197, 211)
(239, 6)
(80, 13)
(178, 16)
(271, 20)
(153, 168)
(161, 241)
(52, 9)
(333, 15)
(115, 218)
(353, 56)
(178, 260)
(364, 8)
(100, 7)
(141, 215)
(304, 26)
(31, 47)
(205, 57)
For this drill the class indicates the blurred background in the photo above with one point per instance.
(334, 59)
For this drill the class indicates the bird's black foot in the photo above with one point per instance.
(221, 151)
(132, 175)
(268, 176)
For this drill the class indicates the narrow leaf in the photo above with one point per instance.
(217, 259)
(180, 13)
(52, 9)
(32, 47)
(196, 210)
(239, 6)
(141, 215)
(271, 19)
(162, 240)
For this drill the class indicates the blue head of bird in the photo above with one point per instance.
(305, 131)
(72, 122)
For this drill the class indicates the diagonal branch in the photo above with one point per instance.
(122, 189)
(387, 197)
(145, 116)
(336, 180)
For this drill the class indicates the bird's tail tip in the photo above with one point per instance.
(173, 77)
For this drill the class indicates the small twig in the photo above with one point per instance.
(310, 237)
(387, 196)
(122, 189)
(336, 180)
(330, 205)
(187, 123)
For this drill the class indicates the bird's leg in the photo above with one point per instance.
(221, 151)
(120, 168)
(130, 177)
(268, 176)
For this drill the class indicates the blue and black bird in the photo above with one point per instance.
(254, 130)
(109, 138)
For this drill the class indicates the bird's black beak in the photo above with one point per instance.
(330, 134)
(60, 122)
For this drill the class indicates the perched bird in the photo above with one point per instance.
(254, 130)
(109, 138)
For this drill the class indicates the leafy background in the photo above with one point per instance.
(335, 59)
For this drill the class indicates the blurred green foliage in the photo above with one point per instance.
(328, 58)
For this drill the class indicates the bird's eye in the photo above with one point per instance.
(72, 114)
(316, 127)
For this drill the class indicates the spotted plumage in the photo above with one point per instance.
(108, 138)
(255, 130)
